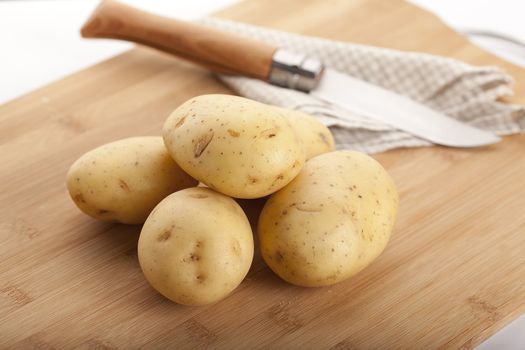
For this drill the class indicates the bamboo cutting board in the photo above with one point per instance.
(452, 275)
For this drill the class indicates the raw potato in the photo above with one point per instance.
(331, 221)
(123, 180)
(237, 146)
(196, 246)
(317, 138)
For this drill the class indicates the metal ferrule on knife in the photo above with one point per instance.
(295, 71)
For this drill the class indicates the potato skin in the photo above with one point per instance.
(316, 137)
(331, 221)
(237, 146)
(122, 181)
(196, 246)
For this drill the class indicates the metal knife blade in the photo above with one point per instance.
(307, 74)
(398, 111)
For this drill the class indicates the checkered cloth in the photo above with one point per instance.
(462, 91)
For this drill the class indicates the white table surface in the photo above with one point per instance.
(40, 44)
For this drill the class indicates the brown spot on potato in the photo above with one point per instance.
(308, 209)
(279, 256)
(180, 122)
(164, 236)
(103, 212)
(194, 257)
(269, 133)
(324, 139)
(236, 248)
(276, 180)
(202, 142)
(233, 133)
(252, 179)
(198, 195)
(124, 185)
(79, 198)
(333, 276)
(200, 278)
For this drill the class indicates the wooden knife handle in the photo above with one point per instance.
(220, 51)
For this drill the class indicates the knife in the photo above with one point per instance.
(225, 52)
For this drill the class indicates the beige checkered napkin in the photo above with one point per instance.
(462, 91)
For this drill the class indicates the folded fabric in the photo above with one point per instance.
(462, 91)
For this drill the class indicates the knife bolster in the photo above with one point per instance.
(295, 71)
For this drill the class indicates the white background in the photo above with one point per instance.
(498, 16)
(39, 40)
(39, 43)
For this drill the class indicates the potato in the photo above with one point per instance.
(331, 221)
(237, 146)
(123, 180)
(316, 137)
(196, 246)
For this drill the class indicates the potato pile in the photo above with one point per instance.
(327, 216)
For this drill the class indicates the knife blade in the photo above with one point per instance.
(398, 111)
(225, 52)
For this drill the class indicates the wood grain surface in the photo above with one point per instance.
(452, 275)
(221, 51)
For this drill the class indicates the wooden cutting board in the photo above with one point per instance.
(453, 274)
